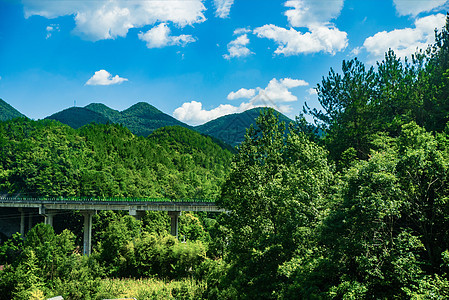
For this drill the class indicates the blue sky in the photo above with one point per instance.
(195, 59)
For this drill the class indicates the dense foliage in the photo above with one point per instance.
(141, 118)
(77, 117)
(7, 112)
(231, 129)
(46, 158)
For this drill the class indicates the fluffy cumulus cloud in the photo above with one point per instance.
(292, 42)
(276, 94)
(222, 8)
(320, 34)
(407, 7)
(159, 36)
(309, 13)
(405, 41)
(237, 47)
(242, 93)
(193, 112)
(109, 19)
(103, 77)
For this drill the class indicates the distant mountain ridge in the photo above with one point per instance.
(141, 118)
(77, 117)
(7, 112)
(231, 129)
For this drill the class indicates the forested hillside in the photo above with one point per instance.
(231, 128)
(7, 112)
(77, 117)
(141, 118)
(48, 158)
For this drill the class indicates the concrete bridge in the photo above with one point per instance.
(48, 207)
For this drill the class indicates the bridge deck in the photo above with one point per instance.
(87, 204)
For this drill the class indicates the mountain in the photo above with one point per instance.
(141, 118)
(7, 112)
(107, 160)
(111, 114)
(231, 129)
(76, 117)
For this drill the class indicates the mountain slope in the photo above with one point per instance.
(7, 112)
(231, 129)
(48, 158)
(76, 117)
(141, 118)
(111, 114)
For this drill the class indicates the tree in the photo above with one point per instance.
(387, 236)
(274, 196)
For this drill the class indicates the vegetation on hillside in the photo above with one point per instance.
(231, 129)
(47, 158)
(77, 117)
(141, 118)
(7, 112)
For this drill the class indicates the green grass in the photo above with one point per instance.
(151, 289)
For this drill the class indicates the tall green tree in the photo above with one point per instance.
(274, 196)
(387, 237)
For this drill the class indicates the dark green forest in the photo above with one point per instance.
(141, 118)
(356, 208)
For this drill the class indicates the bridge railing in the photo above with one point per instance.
(101, 199)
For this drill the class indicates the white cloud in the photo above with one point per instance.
(50, 29)
(237, 47)
(103, 77)
(407, 7)
(356, 51)
(240, 31)
(223, 7)
(109, 19)
(312, 13)
(291, 42)
(159, 36)
(277, 91)
(274, 95)
(405, 41)
(242, 93)
(312, 91)
(321, 34)
(193, 112)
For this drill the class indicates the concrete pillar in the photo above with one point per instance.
(49, 219)
(22, 222)
(138, 214)
(48, 215)
(174, 215)
(30, 221)
(87, 241)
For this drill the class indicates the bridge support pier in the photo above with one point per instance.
(49, 219)
(48, 215)
(138, 214)
(87, 242)
(30, 221)
(22, 222)
(174, 215)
